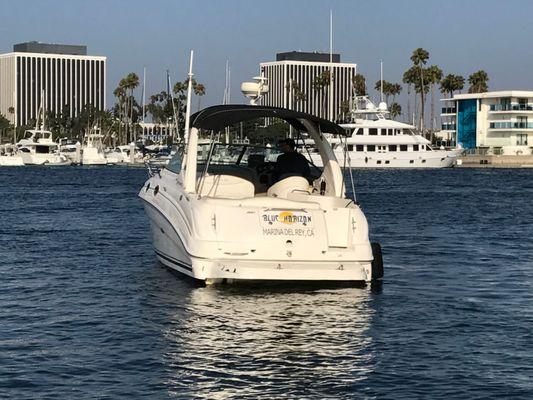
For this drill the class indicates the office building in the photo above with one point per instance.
(68, 77)
(296, 69)
(500, 122)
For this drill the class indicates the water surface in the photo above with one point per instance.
(87, 312)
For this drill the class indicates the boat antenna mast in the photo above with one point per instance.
(189, 94)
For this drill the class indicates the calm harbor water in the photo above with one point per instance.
(86, 311)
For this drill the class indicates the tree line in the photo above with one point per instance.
(120, 123)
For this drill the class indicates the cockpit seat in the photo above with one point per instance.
(226, 186)
(289, 185)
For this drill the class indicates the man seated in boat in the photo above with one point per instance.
(291, 163)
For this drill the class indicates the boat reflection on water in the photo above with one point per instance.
(256, 341)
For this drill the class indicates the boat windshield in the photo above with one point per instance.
(236, 154)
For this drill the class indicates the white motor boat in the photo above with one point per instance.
(10, 156)
(93, 149)
(229, 220)
(375, 141)
(38, 148)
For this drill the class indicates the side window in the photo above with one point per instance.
(415, 147)
(371, 147)
(393, 147)
(359, 147)
(373, 131)
(174, 164)
(403, 147)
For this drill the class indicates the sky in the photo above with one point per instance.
(462, 36)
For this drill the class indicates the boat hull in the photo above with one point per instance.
(172, 253)
(430, 159)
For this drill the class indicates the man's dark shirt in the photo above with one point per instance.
(292, 164)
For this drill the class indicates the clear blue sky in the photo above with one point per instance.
(462, 36)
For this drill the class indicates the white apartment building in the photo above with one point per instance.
(302, 68)
(501, 122)
(67, 75)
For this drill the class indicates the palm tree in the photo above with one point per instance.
(199, 90)
(434, 76)
(419, 59)
(478, 82)
(296, 94)
(409, 78)
(450, 83)
(11, 110)
(321, 82)
(359, 85)
(395, 110)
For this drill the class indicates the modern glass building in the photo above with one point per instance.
(69, 78)
(301, 68)
(501, 122)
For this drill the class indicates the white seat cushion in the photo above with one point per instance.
(289, 185)
(226, 186)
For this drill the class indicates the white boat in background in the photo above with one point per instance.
(10, 156)
(375, 141)
(38, 148)
(93, 149)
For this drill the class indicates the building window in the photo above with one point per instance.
(521, 139)
(403, 147)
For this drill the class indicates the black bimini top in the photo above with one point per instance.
(218, 117)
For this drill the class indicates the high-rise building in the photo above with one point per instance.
(68, 77)
(501, 122)
(297, 71)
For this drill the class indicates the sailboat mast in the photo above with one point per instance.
(144, 94)
(330, 111)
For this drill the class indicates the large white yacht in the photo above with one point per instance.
(224, 219)
(375, 141)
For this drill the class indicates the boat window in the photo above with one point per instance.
(415, 147)
(373, 131)
(379, 162)
(383, 132)
(174, 164)
(403, 147)
(371, 147)
(411, 161)
(359, 147)
(393, 147)
(389, 132)
(42, 149)
(359, 131)
(387, 162)
(350, 147)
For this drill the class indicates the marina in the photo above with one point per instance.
(88, 311)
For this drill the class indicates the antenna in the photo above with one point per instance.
(189, 94)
